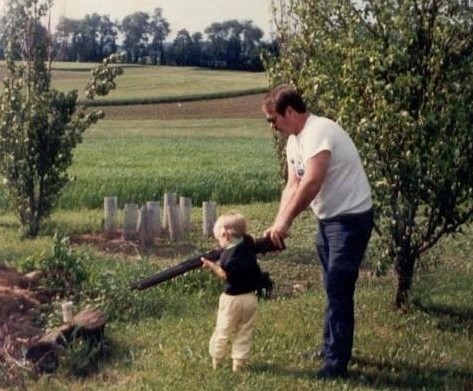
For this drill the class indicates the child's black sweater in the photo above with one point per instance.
(241, 267)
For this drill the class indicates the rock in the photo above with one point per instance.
(34, 277)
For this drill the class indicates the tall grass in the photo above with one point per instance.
(228, 161)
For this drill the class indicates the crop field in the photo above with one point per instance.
(141, 82)
(228, 161)
(219, 149)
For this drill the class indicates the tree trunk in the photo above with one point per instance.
(405, 274)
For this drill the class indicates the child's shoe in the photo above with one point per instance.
(238, 365)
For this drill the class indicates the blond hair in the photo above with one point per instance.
(233, 223)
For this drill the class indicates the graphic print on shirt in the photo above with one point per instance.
(298, 167)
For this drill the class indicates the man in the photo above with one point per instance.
(325, 172)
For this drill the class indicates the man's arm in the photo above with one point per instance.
(287, 194)
(289, 190)
(297, 201)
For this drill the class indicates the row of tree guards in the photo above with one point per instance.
(150, 221)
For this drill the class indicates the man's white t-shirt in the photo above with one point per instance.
(345, 189)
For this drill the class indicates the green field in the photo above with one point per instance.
(228, 161)
(144, 83)
(140, 160)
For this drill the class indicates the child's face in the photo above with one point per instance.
(222, 237)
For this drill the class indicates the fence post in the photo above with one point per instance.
(143, 227)
(110, 215)
(209, 216)
(154, 218)
(169, 199)
(185, 206)
(174, 222)
(130, 214)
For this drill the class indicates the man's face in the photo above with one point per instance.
(275, 120)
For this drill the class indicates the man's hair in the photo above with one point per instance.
(234, 224)
(283, 96)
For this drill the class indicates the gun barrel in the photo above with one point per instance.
(177, 270)
(262, 246)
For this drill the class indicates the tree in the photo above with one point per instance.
(90, 39)
(181, 48)
(135, 27)
(251, 46)
(90, 28)
(197, 49)
(107, 37)
(398, 76)
(159, 30)
(39, 126)
(234, 45)
(66, 39)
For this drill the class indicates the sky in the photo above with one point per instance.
(193, 15)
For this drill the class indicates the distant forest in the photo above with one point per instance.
(231, 44)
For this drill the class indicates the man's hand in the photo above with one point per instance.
(278, 232)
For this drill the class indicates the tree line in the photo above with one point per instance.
(231, 44)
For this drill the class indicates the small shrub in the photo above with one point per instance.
(110, 291)
(63, 272)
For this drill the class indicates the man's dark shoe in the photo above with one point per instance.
(331, 373)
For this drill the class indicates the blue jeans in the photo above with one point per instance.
(341, 243)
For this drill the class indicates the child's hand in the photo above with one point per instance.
(206, 264)
(214, 268)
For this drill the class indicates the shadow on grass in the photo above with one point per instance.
(114, 352)
(378, 375)
(277, 369)
(450, 318)
(404, 375)
(9, 224)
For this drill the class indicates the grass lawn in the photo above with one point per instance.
(159, 339)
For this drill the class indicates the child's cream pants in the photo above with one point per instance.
(236, 317)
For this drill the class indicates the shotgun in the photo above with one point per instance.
(262, 245)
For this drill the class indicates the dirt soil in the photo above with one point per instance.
(243, 107)
(20, 302)
(131, 250)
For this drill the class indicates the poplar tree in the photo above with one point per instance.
(39, 126)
